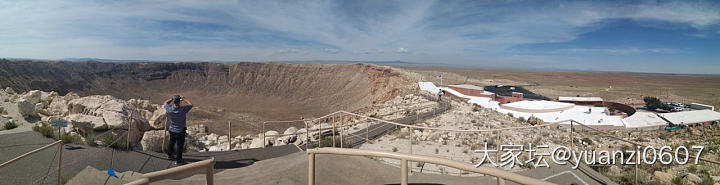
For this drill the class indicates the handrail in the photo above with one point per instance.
(30, 152)
(500, 174)
(207, 164)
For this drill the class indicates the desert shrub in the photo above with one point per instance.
(10, 125)
(598, 105)
(90, 139)
(394, 149)
(473, 121)
(113, 140)
(587, 140)
(69, 138)
(45, 129)
(521, 119)
(510, 114)
(374, 115)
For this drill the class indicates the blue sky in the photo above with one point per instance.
(642, 36)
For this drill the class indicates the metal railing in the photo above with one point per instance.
(206, 165)
(501, 175)
(59, 169)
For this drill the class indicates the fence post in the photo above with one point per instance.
(501, 181)
(210, 174)
(59, 179)
(307, 135)
(367, 131)
(165, 133)
(572, 140)
(320, 135)
(333, 131)
(342, 129)
(229, 136)
(127, 140)
(404, 172)
(311, 169)
(410, 135)
(263, 133)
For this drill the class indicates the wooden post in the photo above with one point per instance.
(404, 172)
(572, 140)
(229, 136)
(320, 136)
(497, 146)
(333, 131)
(263, 134)
(59, 179)
(127, 140)
(165, 133)
(311, 169)
(342, 129)
(411, 136)
(501, 181)
(210, 174)
(307, 135)
(367, 132)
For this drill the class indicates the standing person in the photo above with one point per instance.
(177, 115)
(440, 94)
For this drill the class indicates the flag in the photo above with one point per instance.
(439, 77)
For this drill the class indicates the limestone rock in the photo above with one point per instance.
(115, 120)
(87, 121)
(256, 143)
(290, 130)
(26, 108)
(157, 121)
(33, 96)
(152, 140)
(9, 90)
(663, 177)
(693, 178)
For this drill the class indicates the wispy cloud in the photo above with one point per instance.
(465, 32)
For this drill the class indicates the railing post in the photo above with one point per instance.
(404, 172)
(210, 174)
(501, 181)
(307, 135)
(229, 136)
(342, 129)
(127, 140)
(165, 133)
(410, 139)
(311, 169)
(572, 140)
(367, 132)
(263, 134)
(333, 131)
(59, 179)
(320, 135)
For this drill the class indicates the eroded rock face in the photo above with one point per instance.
(26, 108)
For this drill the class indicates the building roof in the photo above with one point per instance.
(690, 117)
(467, 86)
(579, 99)
(644, 120)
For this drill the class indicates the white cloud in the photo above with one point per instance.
(401, 50)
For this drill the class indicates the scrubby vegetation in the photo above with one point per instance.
(10, 125)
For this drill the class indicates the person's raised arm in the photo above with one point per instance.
(187, 101)
(168, 101)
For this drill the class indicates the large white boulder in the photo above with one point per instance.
(26, 108)
(152, 140)
(157, 121)
(33, 96)
(290, 130)
(87, 121)
(115, 120)
(257, 143)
